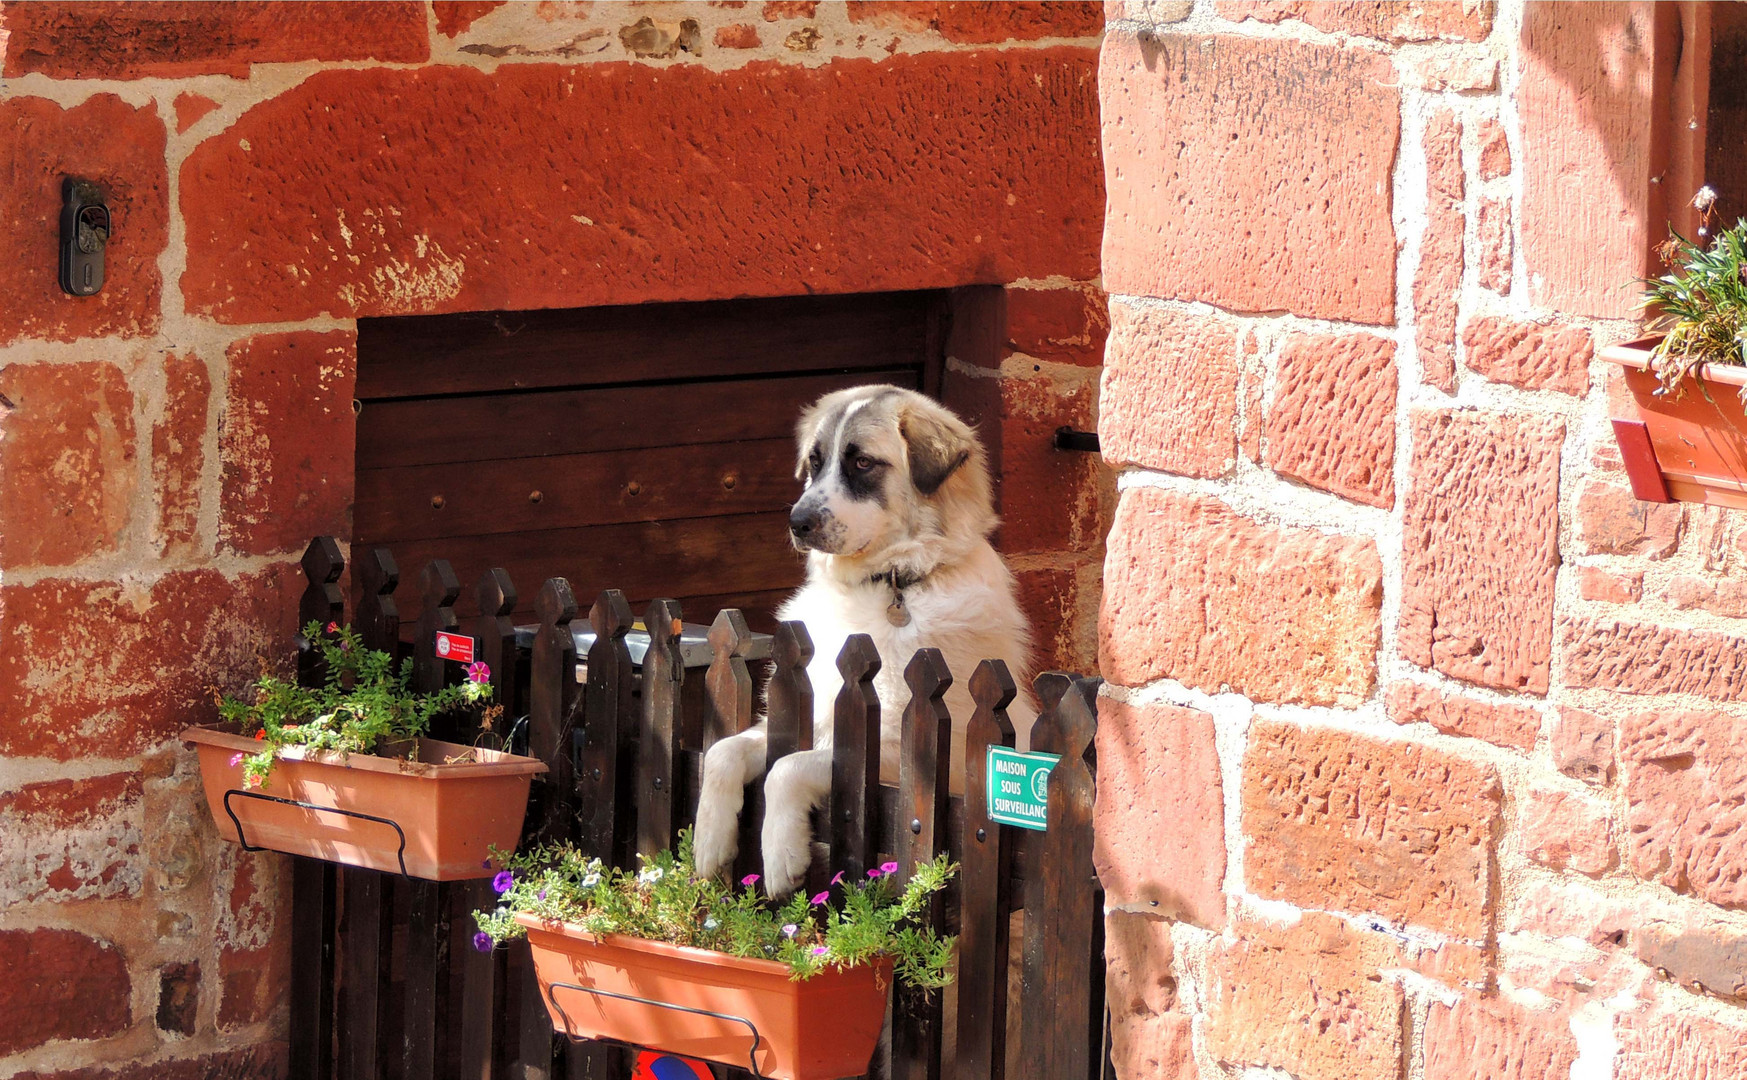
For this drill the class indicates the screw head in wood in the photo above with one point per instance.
(982, 834)
(634, 488)
(436, 502)
(658, 783)
(597, 774)
(535, 496)
(916, 826)
(729, 481)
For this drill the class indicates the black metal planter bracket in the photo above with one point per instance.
(391, 823)
(552, 1000)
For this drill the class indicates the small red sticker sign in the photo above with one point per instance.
(456, 647)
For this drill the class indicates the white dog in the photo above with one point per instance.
(895, 520)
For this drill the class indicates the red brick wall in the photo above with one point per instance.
(278, 171)
(1420, 756)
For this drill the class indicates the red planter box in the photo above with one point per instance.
(701, 1004)
(450, 815)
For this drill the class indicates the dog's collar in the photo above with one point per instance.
(897, 613)
(897, 579)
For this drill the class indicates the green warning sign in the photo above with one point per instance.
(1019, 787)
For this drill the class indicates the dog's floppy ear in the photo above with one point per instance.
(804, 431)
(938, 442)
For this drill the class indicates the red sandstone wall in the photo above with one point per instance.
(1421, 756)
(279, 170)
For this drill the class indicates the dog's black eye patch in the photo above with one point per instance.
(861, 476)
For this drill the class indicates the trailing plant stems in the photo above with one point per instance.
(847, 924)
(363, 703)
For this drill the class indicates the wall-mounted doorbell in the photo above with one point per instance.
(84, 235)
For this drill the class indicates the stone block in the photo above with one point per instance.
(1270, 192)
(67, 476)
(119, 147)
(157, 39)
(1437, 283)
(1332, 422)
(1341, 821)
(1513, 726)
(1169, 394)
(1304, 999)
(1196, 592)
(1159, 819)
(1480, 547)
(286, 440)
(1528, 355)
(60, 984)
(1685, 776)
(355, 211)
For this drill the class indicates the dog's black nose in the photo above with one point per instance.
(803, 521)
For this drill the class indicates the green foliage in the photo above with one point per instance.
(363, 704)
(1700, 306)
(848, 924)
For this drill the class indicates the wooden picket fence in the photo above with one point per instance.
(385, 983)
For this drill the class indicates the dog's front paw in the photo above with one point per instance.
(715, 843)
(786, 860)
(716, 837)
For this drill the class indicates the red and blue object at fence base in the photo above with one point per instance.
(652, 1065)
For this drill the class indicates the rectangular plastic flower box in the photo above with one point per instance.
(701, 1004)
(1685, 447)
(428, 809)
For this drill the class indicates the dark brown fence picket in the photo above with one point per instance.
(367, 922)
(854, 803)
(789, 697)
(433, 988)
(728, 682)
(313, 881)
(657, 739)
(984, 885)
(607, 703)
(552, 694)
(1063, 887)
(924, 783)
(495, 631)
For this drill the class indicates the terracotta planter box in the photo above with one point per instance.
(822, 1028)
(1690, 448)
(378, 811)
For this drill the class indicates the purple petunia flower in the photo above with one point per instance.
(820, 898)
(236, 759)
(789, 929)
(503, 882)
(541, 894)
(888, 868)
(749, 880)
(486, 864)
(482, 941)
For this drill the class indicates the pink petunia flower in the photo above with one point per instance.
(333, 628)
(838, 878)
(236, 759)
(789, 929)
(820, 898)
(888, 868)
(478, 672)
(749, 880)
(820, 950)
